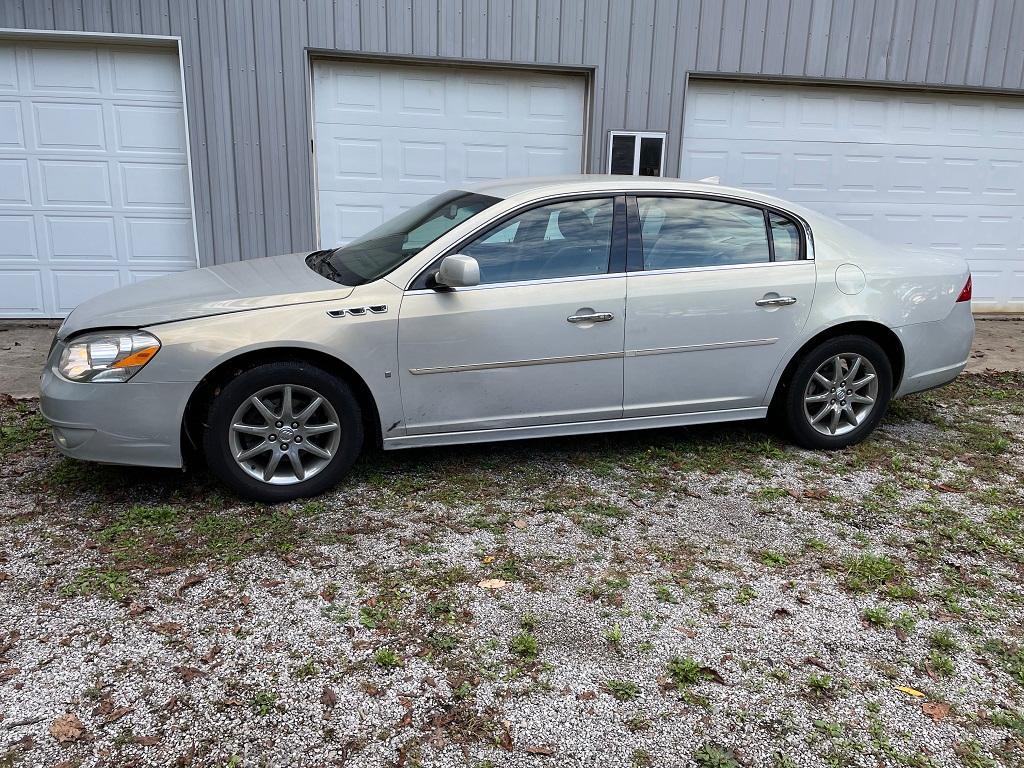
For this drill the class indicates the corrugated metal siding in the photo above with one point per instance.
(246, 71)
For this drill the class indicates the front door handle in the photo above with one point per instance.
(776, 301)
(592, 317)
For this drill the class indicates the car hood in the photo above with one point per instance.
(255, 284)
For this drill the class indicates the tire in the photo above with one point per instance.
(306, 455)
(811, 405)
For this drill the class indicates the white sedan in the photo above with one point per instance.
(515, 309)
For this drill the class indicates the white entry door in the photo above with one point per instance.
(933, 170)
(94, 184)
(389, 136)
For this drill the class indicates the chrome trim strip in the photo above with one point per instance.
(521, 283)
(515, 363)
(573, 428)
(700, 347)
(583, 358)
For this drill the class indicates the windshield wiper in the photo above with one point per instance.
(320, 262)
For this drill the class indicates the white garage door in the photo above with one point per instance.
(939, 171)
(94, 188)
(388, 137)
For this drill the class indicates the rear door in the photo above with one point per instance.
(724, 290)
(539, 341)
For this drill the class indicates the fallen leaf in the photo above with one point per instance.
(7, 674)
(586, 696)
(164, 570)
(519, 523)
(188, 674)
(505, 739)
(116, 715)
(540, 750)
(488, 559)
(936, 710)
(147, 741)
(67, 728)
(912, 691)
(167, 627)
(780, 613)
(815, 493)
(946, 488)
(492, 584)
(211, 653)
(328, 697)
(137, 609)
(191, 581)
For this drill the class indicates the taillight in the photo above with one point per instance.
(965, 294)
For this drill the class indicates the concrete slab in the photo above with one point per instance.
(998, 345)
(23, 348)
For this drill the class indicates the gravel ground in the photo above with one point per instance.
(709, 597)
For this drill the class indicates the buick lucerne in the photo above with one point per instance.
(513, 309)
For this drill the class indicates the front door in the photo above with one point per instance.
(725, 290)
(539, 341)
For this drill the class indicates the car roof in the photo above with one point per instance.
(540, 186)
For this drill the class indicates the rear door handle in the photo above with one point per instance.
(593, 317)
(776, 301)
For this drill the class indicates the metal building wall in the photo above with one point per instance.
(246, 71)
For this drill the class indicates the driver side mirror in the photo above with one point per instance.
(457, 271)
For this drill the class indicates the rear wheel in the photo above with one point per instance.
(281, 431)
(838, 393)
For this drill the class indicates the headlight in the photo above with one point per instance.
(107, 355)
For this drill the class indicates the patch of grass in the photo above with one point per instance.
(263, 702)
(773, 559)
(685, 672)
(819, 686)
(711, 756)
(939, 663)
(20, 429)
(104, 582)
(878, 616)
(621, 690)
(972, 755)
(943, 640)
(614, 635)
(385, 658)
(869, 571)
(664, 594)
(524, 645)
(307, 669)
(745, 594)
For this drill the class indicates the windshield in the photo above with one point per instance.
(394, 242)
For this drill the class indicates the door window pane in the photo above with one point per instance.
(703, 233)
(567, 239)
(650, 156)
(785, 238)
(622, 155)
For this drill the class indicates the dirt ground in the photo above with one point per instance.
(706, 597)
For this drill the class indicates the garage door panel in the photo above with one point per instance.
(815, 171)
(21, 292)
(807, 113)
(421, 97)
(149, 129)
(17, 239)
(73, 286)
(15, 189)
(63, 70)
(81, 239)
(93, 172)
(61, 126)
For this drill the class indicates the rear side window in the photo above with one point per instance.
(680, 232)
(785, 238)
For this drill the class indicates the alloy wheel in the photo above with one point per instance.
(841, 394)
(284, 434)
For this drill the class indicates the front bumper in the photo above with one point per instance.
(937, 351)
(118, 423)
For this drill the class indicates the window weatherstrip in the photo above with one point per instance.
(768, 233)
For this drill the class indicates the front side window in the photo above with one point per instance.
(680, 232)
(566, 239)
(397, 240)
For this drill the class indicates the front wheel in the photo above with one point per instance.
(281, 431)
(838, 393)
